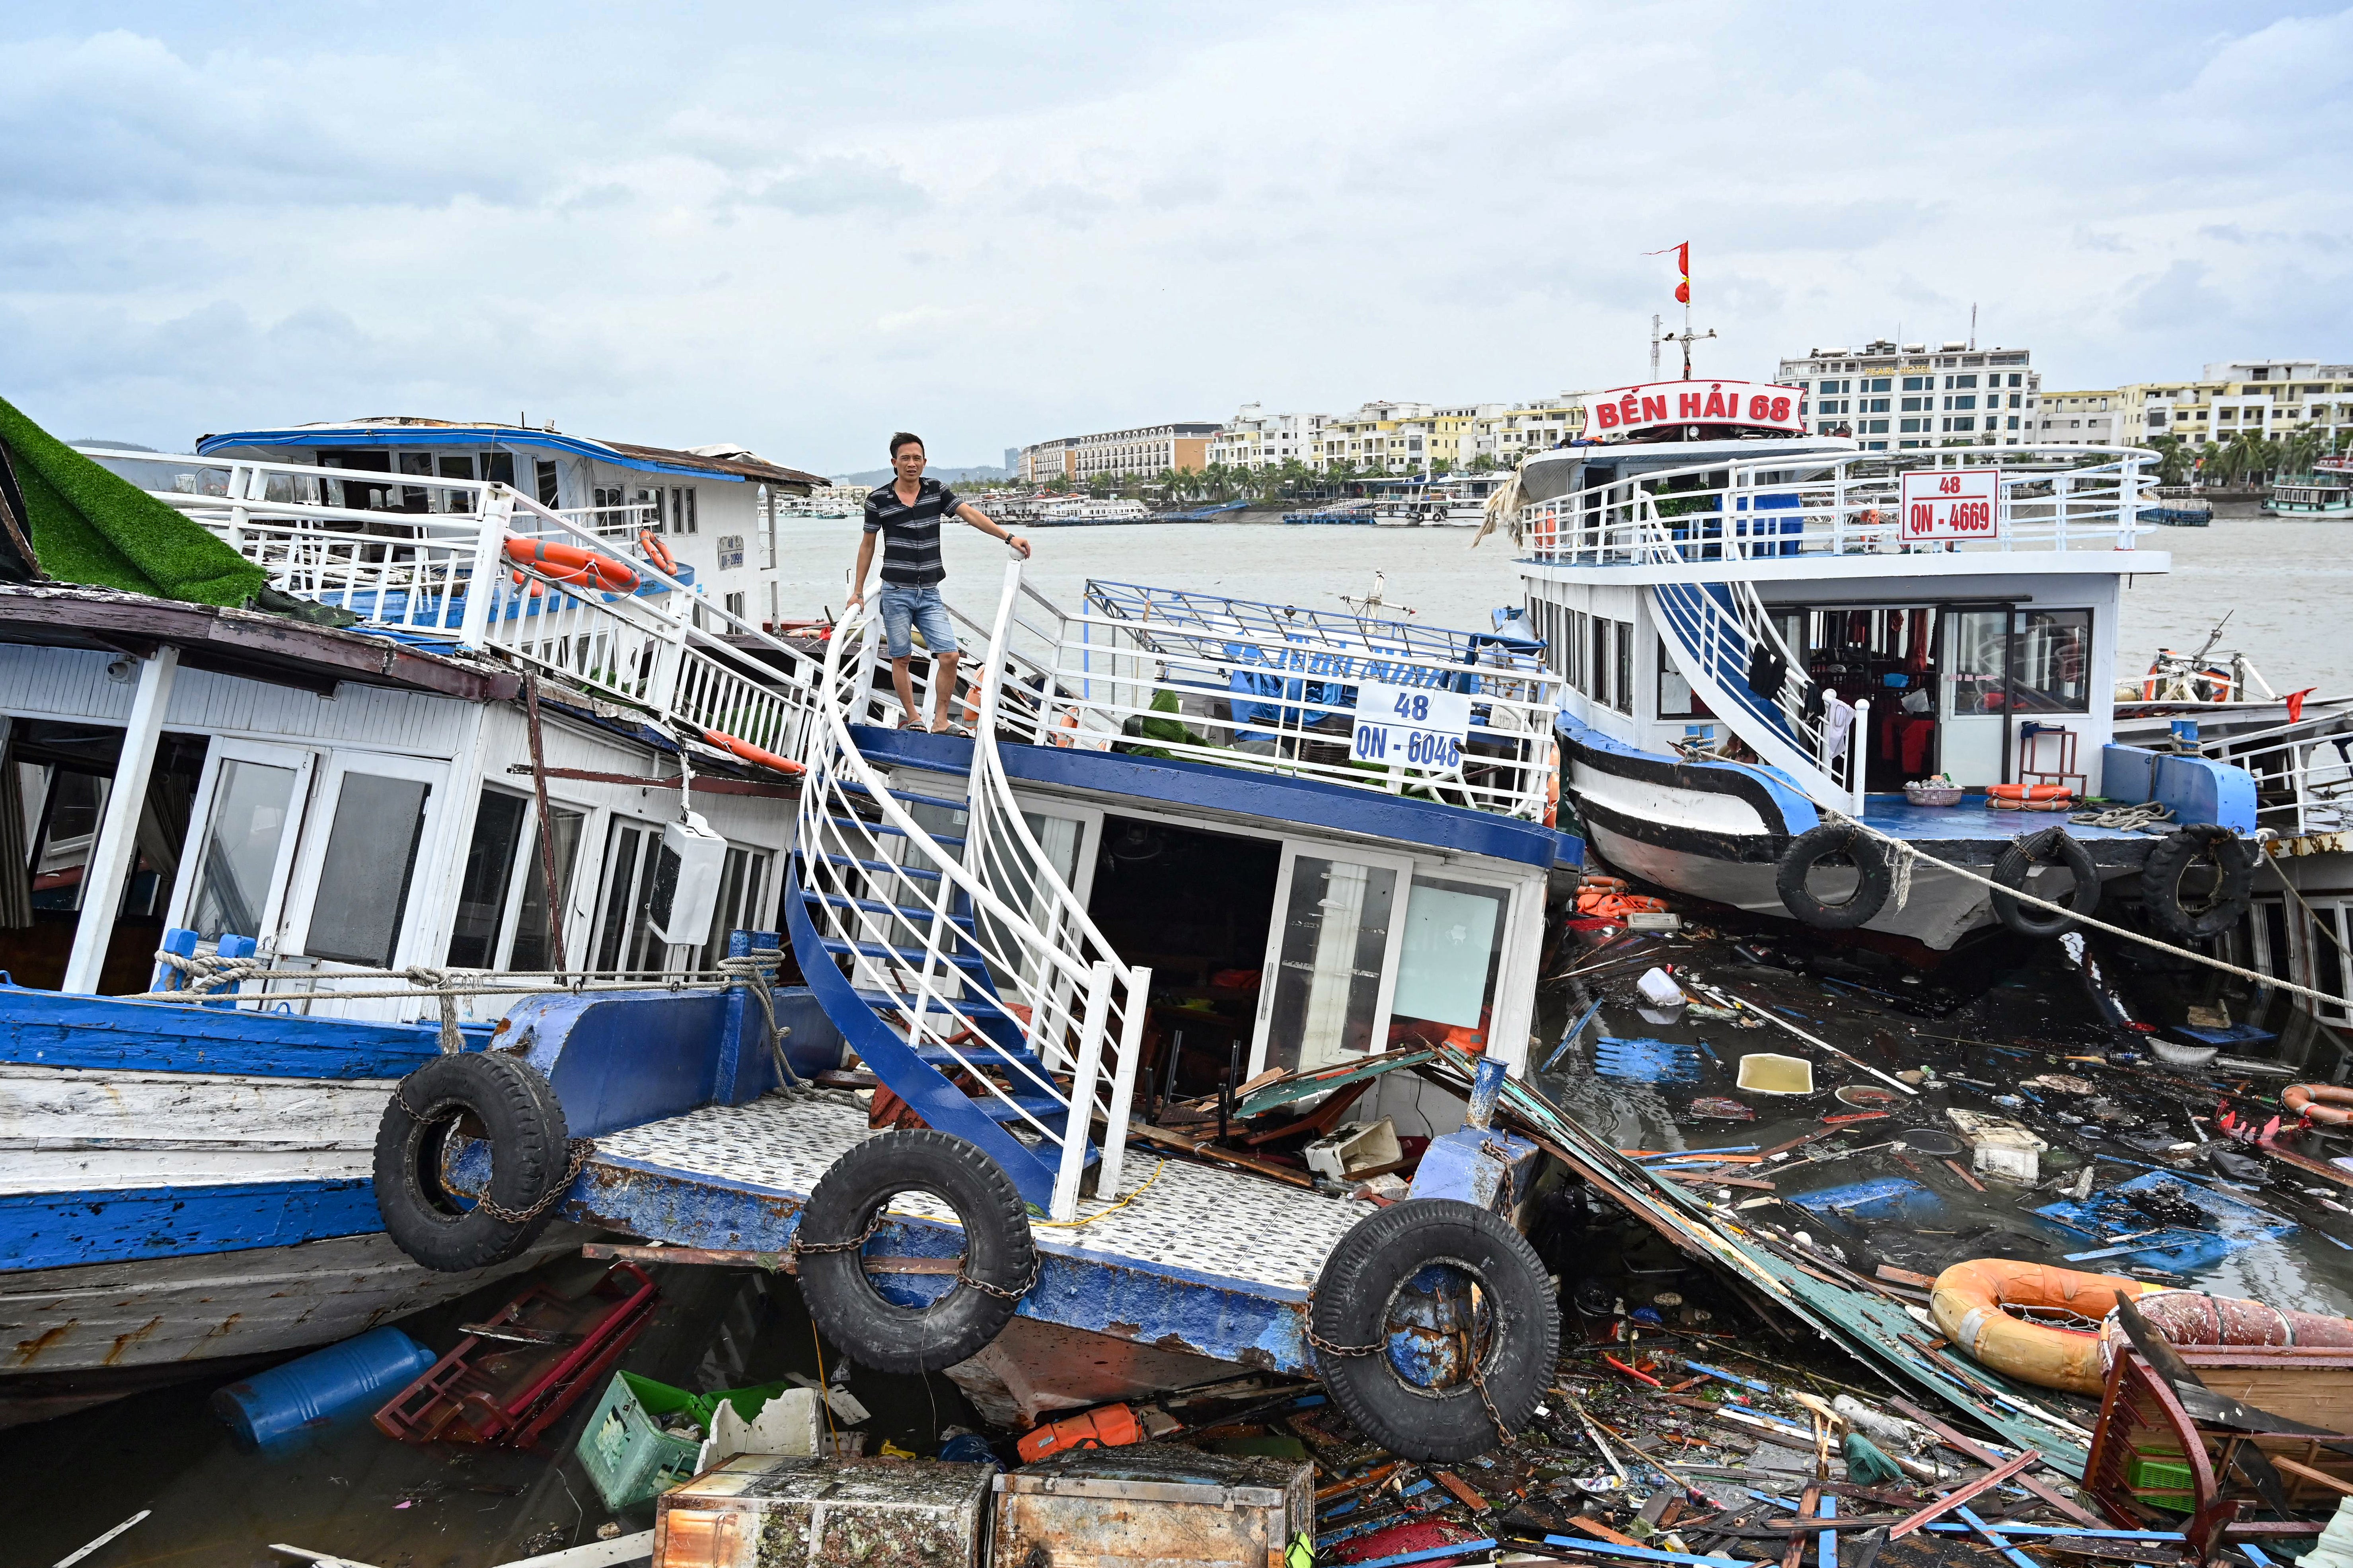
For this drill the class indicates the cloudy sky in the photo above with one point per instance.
(800, 228)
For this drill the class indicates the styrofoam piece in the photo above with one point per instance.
(2000, 1147)
(1767, 1072)
(1355, 1148)
(1660, 989)
(787, 1423)
(2335, 1549)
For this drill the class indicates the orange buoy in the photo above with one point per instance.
(752, 754)
(1988, 1307)
(656, 552)
(571, 563)
(2328, 1104)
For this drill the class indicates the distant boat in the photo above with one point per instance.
(2326, 491)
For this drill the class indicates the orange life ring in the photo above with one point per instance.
(1543, 531)
(1970, 1301)
(2029, 792)
(1617, 906)
(571, 563)
(752, 754)
(1552, 789)
(1069, 724)
(2326, 1103)
(656, 552)
(2006, 792)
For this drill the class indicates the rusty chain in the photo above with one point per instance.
(1478, 1378)
(858, 1242)
(577, 1152)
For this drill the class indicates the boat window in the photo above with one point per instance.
(1448, 962)
(1598, 663)
(2325, 935)
(545, 482)
(621, 928)
(363, 880)
(1981, 660)
(1623, 665)
(741, 881)
(1335, 932)
(250, 802)
(2052, 661)
(65, 819)
(1676, 700)
(534, 945)
(489, 872)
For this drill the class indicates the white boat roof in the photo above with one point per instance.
(1553, 473)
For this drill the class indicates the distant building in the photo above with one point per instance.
(1139, 453)
(1504, 433)
(1404, 437)
(2267, 397)
(1903, 395)
(1013, 462)
(1254, 438)
(2077, 419)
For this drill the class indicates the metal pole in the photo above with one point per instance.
(546, 824)
(118, 834)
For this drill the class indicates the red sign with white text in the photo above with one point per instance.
(1628, 410)
(1951, 503)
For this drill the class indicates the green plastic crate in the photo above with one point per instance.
(2150, 1476)
(624, 1449)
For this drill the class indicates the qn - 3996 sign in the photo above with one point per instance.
(1952, 503)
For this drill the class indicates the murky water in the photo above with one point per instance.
(2290, 582)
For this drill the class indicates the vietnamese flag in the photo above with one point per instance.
(1682, 266)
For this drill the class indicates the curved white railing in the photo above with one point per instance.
(903, 909)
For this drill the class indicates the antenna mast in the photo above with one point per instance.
(1656, 337)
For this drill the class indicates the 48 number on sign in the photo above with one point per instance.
(1417, 727)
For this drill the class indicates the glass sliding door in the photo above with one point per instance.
(235, 884)
(1330, 958)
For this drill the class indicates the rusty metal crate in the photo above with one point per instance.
(1151, 1503)
(769, 1511)
(2152, 1463)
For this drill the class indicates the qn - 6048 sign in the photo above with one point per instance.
(1951, 503)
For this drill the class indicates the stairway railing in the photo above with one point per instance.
(909, 913)
(1712, 649)
(1002, 850)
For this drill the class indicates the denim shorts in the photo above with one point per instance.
(922, 608)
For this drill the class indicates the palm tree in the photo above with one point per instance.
(2172, 460)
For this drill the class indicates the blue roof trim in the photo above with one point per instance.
(1308, 802)
(452, 435)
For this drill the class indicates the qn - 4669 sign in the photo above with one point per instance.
(1952, 503)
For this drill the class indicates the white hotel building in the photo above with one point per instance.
(1254, 438)
(1890, 396)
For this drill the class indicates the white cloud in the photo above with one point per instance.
(800, 228)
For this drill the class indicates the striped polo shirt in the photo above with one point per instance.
(911, 534)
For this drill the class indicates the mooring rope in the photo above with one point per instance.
(2025, 897)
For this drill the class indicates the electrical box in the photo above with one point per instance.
(685, 892)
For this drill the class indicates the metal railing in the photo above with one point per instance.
(1712, 629)
(1839, 503)
(908, 913)
(2302, 773)
(445, 573)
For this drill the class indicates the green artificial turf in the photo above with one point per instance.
(93, 527)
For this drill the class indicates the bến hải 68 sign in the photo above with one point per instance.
(1626, 409)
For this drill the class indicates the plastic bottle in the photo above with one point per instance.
(313, 1390)
(1659, 988)
(1888, 1429)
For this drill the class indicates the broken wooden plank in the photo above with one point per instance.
(779, 1262)
(1960, 1495)
(2337, 1484)
(1960, 1444)
(1955, 1168)
(1201, 1148)
(1905, 1276)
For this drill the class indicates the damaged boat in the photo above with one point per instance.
(1767, 637)
(266, 861)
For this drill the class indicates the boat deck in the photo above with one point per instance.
(1977, 828)
(1215, 1262)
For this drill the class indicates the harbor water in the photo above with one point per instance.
(2287, 581)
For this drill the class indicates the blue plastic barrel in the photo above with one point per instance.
(313, 1390)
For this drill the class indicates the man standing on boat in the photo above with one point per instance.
(906, 514)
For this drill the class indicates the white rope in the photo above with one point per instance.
(2026, 897)
(753, 973)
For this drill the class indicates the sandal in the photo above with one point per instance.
(953, 728)
(915, 724)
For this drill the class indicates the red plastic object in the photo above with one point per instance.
(489, 1390)
(1108, 1427)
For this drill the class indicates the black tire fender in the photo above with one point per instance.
(2052, 845)
(2160, 880)
(1874, 875)
(999, 1251)
(497, 1097)
(1348, 1322)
